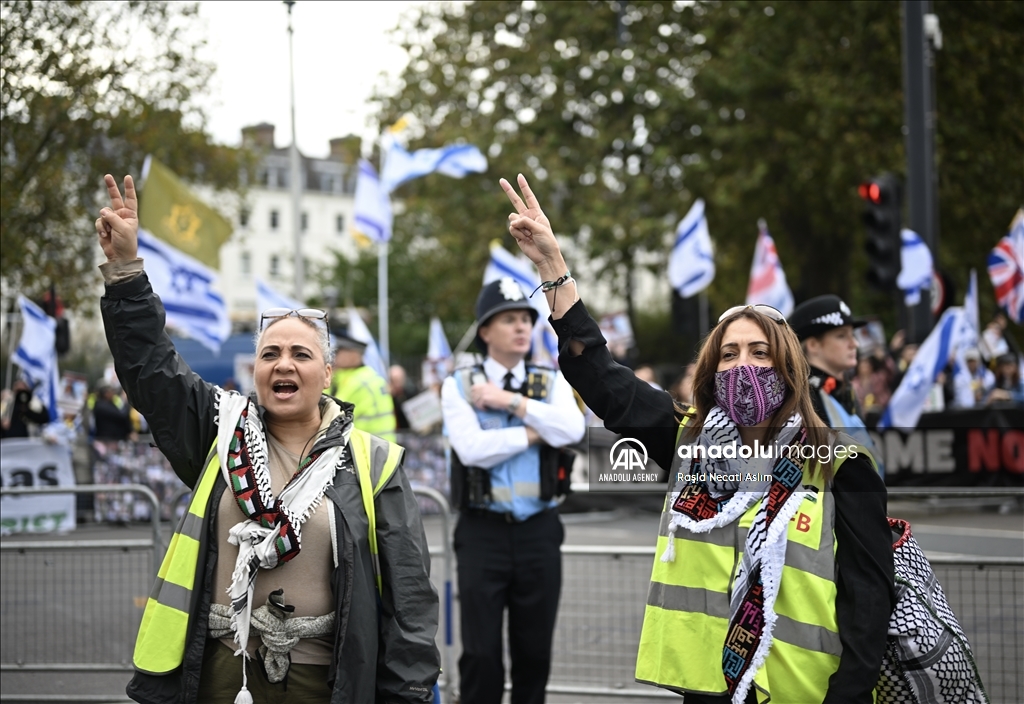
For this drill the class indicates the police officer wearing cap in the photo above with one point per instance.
(504, 420)
(825, 328)
(356, 383)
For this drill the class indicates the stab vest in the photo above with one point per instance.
(515, 485)
(687, 612)
(160, 646)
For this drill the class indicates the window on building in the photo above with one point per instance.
(243, 217)
(305, 221)
(339, 224)
(275, 265)
(327, 183)
(246, 263)
(274, 217)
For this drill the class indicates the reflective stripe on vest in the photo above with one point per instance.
(160, 646)
(688, 606)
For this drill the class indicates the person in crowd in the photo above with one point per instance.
(356, 383)
(982, 378)
(682, 390)
(300, 571)
(504, 420)
(993, 342)
(739, 610)
(871, 383)
(23, 412)
(110, 420)
(401, 391)
(1008, 388)
(646, 373)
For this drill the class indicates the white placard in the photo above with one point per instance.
(32, 462)
(423, 410)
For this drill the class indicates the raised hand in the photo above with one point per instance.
(118, 225)
(531, 228)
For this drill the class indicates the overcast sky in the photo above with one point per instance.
(340, 50)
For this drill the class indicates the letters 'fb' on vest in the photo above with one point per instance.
(687, 610)
(160, 646)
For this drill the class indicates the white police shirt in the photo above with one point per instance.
(558, 421)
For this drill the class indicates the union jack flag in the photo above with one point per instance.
(1006, 269)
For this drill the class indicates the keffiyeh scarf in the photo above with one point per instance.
(700, 506)
(271, 534)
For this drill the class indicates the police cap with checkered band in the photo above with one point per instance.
(497, 297)
(821, 314)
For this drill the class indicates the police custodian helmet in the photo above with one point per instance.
(497, 297)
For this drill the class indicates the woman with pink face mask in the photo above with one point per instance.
(774, 570)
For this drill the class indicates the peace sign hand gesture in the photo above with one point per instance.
(118, 225)
(532, 229)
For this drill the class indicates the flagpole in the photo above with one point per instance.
(382, 303)
(702, 305)
(295, 178)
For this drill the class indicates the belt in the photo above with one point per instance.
(504, 516)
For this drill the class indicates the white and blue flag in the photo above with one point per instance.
(373, 217)
(438, 349)
(268, 297)
(455, 160)
(691, 266)
(37, 353)
(915, 266)
(962, 382)
(357, 330)
(187, 289)
(946, 341)
(504, 263)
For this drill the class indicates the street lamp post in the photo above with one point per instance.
(295, 180)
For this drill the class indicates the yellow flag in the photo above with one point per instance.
(172, 212)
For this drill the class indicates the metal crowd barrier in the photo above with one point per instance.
(71, 608)
(604, 591)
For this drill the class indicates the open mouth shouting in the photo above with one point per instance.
(285, 389)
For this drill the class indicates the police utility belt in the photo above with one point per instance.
(471, 486)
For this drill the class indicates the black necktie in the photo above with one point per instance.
(510, 384)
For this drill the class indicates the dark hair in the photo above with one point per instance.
(789, 362)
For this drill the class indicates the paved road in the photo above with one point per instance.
(79, 606)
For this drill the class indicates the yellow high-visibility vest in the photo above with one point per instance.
(687, 612)
(160, 646)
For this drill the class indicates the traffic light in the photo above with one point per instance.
(882, 210)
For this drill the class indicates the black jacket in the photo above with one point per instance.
(383, 652)
(865, 583)
(842, 391)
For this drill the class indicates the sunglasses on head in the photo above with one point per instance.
(305, 313)
(773, 313)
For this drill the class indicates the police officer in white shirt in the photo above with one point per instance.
(505, 420)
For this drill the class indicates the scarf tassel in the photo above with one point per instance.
(670, 549)
(243, 696)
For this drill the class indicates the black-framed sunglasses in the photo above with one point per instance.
(307, 313)
(773, 313)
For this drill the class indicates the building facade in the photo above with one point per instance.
(262, 246)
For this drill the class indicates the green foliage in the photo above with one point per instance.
(91, 88)
(622, 113)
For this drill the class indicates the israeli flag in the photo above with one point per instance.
(437, 344)
(37, 354)
(962, 385)
(950, 336)
(357, 330)
(504, 263)
(691, 266)
(915, 267)
(372, 217)
(268, 297)
(186, 288)
(455, 160)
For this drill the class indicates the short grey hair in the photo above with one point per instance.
(323, 339)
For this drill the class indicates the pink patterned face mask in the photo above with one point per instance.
(749, 394)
